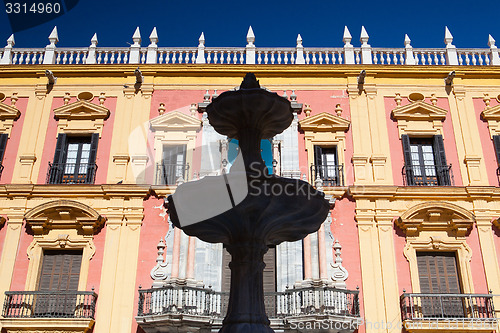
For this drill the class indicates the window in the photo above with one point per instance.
(326, 166)
(496, 142)
(438, 274)
(59, 277)
(173, 165)
(74, 160)
(425, 161)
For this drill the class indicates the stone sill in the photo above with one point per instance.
(67, 325)
(451, 325)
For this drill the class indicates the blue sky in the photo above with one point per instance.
(275, 23)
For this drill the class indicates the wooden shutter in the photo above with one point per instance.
(410, 179)
(3, 144)
(92, 168)
(60, 270)
(56, 172)
(440, 160)
(496, 142)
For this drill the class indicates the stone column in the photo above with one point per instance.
(307, 258)
(190, 258)
(176, 253)
(322, 253)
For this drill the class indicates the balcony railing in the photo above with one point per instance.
(49, 304)
(428, 175)
(71, 173)
(290, 303)
(447, 307)
(169, 174)
(331, 175)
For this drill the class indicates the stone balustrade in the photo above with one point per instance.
(250, 54)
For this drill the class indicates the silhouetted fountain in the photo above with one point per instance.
(274, 210)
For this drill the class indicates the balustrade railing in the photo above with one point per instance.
(170, 174)
(447, 306)
(206, 302)
(49, 304)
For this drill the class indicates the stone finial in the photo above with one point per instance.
(193, 108)
(434, 99)
(284, 94)
(161, 108)
(53, 37)
(338, 110)
(318, 182)
(293, 96)
(299, 40)
(13, 99)
(407, 41)
(161, 249)
(215, 95)
(491, 42)
(250, 37)
(179, 181)
(11, 42)
(304, 177)
(364, 36)
(66, 98)
(340, 274)
(159, 272)
(201, 40)
(153, 38)
(206, 97)
(102, 98)
(347, 37)
(307, 109)
(398, 99)
(137, 37)
(93, 41)
(486, 100)
(448, 37)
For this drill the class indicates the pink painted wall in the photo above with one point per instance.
(9, 158)
(402, 266)
(325, 101)
(396, 146)
(344, 229)
(477, 264)
(103, 148)
(154, 228)
(487, 145)
(496, 237)
(95, 266)
(20, 272)
(3, 232)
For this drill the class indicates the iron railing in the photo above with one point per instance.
(71, 173)
(169, 174)
(49, 304)
(206, 302)
(428, 175)
(331, 175)
(447, 306)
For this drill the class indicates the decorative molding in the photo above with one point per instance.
(64, 214)
(8, 114)
(419, 119)
(81, 117)
(324, 122)
(175, 121)
(340, 274)
(47, 325)
(492, 116)
(436, 216)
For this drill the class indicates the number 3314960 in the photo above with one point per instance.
(34, 8)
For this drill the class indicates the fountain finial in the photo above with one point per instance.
(250, 82)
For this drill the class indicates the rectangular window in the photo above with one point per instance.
(438, 274)
(326, 166)
(425, 161)
(59, 277)
(3, 144)
(74, 160)
(496, 142)
(173, 166)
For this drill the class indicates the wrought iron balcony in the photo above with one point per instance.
(49, 304)
(451, 307)
(331, 175)
(71, 173)
(428, 175)
(197, 307)
(169, 174)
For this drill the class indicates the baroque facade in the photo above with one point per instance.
(405, 144)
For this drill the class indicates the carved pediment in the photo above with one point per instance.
(419, 110)
(175, 121)
(436, 216)
(8, 112)
(492, 113)
(64, 214)
(81, 110)
(324, 122)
